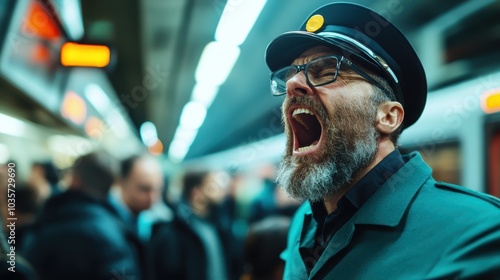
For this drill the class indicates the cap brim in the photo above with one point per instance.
(288, 46)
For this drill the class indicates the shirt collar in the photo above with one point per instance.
(366, 187)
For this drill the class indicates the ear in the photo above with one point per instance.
(390, 116)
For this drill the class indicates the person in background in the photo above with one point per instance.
(78, 235)
(271, 200)
(140, 184)
(45, 177)
(191, 246)
(264, 243)
(352, 83)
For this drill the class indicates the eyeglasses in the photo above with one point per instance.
(319, 72)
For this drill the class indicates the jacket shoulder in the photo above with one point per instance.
(465, 192)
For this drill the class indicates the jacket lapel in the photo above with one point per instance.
(386, 207)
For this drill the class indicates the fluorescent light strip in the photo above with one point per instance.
(148, 133)
(204, 94)
(98, 98)
(216, 63)
(238, 18)
(193, 115)
(12, 126)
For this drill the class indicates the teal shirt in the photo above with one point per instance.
(412, 228)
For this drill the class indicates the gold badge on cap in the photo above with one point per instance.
(314, 23)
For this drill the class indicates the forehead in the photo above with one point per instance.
(314, 52)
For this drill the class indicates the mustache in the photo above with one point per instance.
(306, 101)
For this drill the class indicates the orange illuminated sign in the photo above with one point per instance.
(85, 55)
(39, 23)
(490, 101)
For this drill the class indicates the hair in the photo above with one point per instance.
(127, 165)
(192, 180)
(96, 171)
(263, 244)
(27, 198)
(50, 171)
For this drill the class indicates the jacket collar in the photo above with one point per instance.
(387, 206)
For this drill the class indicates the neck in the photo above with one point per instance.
(385, 147)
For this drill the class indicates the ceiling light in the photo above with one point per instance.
(71, 17)
(117, 124)
(204, 93)
(98, 98)
(193, 115)
(177, 151)
(148, 133)
(237, 20)
(185, 135)
(216, 63)
(12, 126)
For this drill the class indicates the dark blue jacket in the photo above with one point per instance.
(80, 237)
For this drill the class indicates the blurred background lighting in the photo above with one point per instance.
(204, 94)
(238, 18)
(94, 127)
(4, 154)
(98, 98)
(74, 108)
(490, 101)
(12, 126)
(85, 55)
(178, 151)
(156, 148)
(193, 114)
(216, 63)
(71, 13)
(117, 124)
(148, 133)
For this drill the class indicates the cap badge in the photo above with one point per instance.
(314, 23)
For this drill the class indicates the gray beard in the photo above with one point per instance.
(345, 156)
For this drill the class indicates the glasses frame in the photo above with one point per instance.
(340, 59)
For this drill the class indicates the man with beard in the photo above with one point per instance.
(352, 82)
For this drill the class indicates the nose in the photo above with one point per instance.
(298, 86)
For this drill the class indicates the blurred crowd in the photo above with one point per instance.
(106, 219)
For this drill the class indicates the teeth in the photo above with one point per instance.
(307, 148)
(302, 111)
(304, 149)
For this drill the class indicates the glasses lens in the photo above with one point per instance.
(279, 79)
(322, 70)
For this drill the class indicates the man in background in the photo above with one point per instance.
(140, 186)
(192, 245)
(78, 235)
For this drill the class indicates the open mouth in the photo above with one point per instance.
(306, 129)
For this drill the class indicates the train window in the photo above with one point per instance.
(494, 164)
(444, 159)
